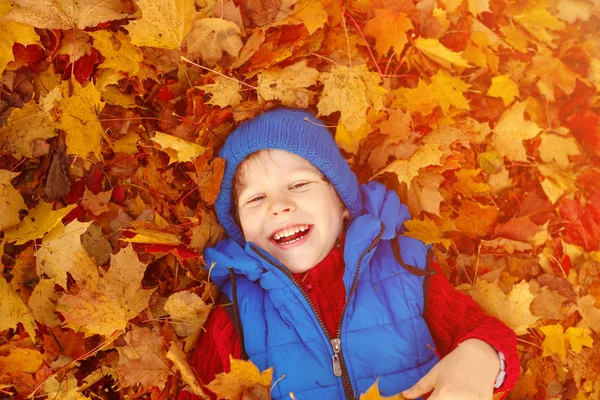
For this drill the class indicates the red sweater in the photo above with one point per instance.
(452, 317)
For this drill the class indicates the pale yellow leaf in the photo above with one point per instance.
(477, 7)
(187, 311)
(164, 23)
(14, 310)
(504, 88)
(35, 225)
(310, 13)
(225, 92)
(24, 126)
(557, 148)
(452, 5)
(407, 170)
(511, 130)
(211, 37)
(433, 49)
(67, 14)
(118, 52)
(556, 181)
(539, 22)
(43, 303)
(288, 84)
(182, 149)
(11, 200)
(571, 10)
(75, 45)
(351, 91)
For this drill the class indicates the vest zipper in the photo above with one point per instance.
(338, 362)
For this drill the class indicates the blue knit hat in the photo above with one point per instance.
(298, 132)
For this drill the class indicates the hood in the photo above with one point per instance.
(381, 209)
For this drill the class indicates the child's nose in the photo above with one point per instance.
(282, 205)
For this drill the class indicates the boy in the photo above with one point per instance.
(326, 290)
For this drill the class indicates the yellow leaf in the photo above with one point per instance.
(35, 225)
(556, 181)
(351, 91)
(424, 193)
(58, 253)
(67, 388)
(477, 7)
(551, 71)
(407, 170)
(538, 21)
(75, 45)
(118, 52)
(21, 360)
(147, 232)
(510, 132)
(444, 91)
(288, 84)
(79, 119)
(243, 374)
(579, 337)
(107, 300)
(467, 184)
(66, 14)
(164, 23)
(112, 95)
(11, 202)
(373, 394)
(350, 141)
(14, 310)
(433, 49)
(513, 309)
(179, 360)
(187, 311)
(504, 88)
(554, 341)
(182, 150)
(515, 37)
(12, 32)
(213, 36)
(557, 148)
(225, 92)
(24, 126)
(427, 231)
(389, 28)
(452, 5)
(310, 13)
(43, 303)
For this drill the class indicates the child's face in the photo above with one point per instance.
(282, 193)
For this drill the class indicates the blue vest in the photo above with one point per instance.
(383, 334)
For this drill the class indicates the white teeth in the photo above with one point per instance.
(289, 232)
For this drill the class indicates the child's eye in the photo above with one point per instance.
(299, 185)
(255, 199)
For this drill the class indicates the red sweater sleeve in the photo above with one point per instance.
(454, 317)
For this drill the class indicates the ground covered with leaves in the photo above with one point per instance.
(482, 114)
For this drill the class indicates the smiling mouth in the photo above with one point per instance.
(293, 238)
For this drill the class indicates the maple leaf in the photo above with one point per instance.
(96, 203)
(37, 223)
(556, 181)
(547, 304)
(243, 375)
(43, 302)
(551, 72)
(558, 149)
(503, 87)
(427, 231)
(15, 311)
(554, 341)
(66, 14)
(179, 150)
(118, 52)
(513, 309)
(164, 24)
(351, 91)
(225, 92)
(310, 13)
(398, 126)
(208, 233)
(21, 360)
(288, 84)
(13, 32)
(424, 193)
(389, 28)
(211, 37)
(407, 170)
(433, 49)
(25, 125)
(11, 202)
(477, 7)
(510, 132)
(475, 219)
(143, 359)
(538, 21)
(267, 12)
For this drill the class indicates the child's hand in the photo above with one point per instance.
(467, 373)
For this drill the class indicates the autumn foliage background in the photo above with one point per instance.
(482, 114)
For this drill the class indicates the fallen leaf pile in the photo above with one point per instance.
(483, 115)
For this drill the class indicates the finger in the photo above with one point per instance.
(425, 385)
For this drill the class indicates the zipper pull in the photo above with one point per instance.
(336, 344)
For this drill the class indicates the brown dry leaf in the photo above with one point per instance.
(67, 14)
(548, 304)
(208, 176)
(513, 309)
(208, 233)
(243, 376)
(288, 84)
(262, 12)
(96, 203)
(143, 359)
(107, 300)
(57, 182)
(211, 37)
